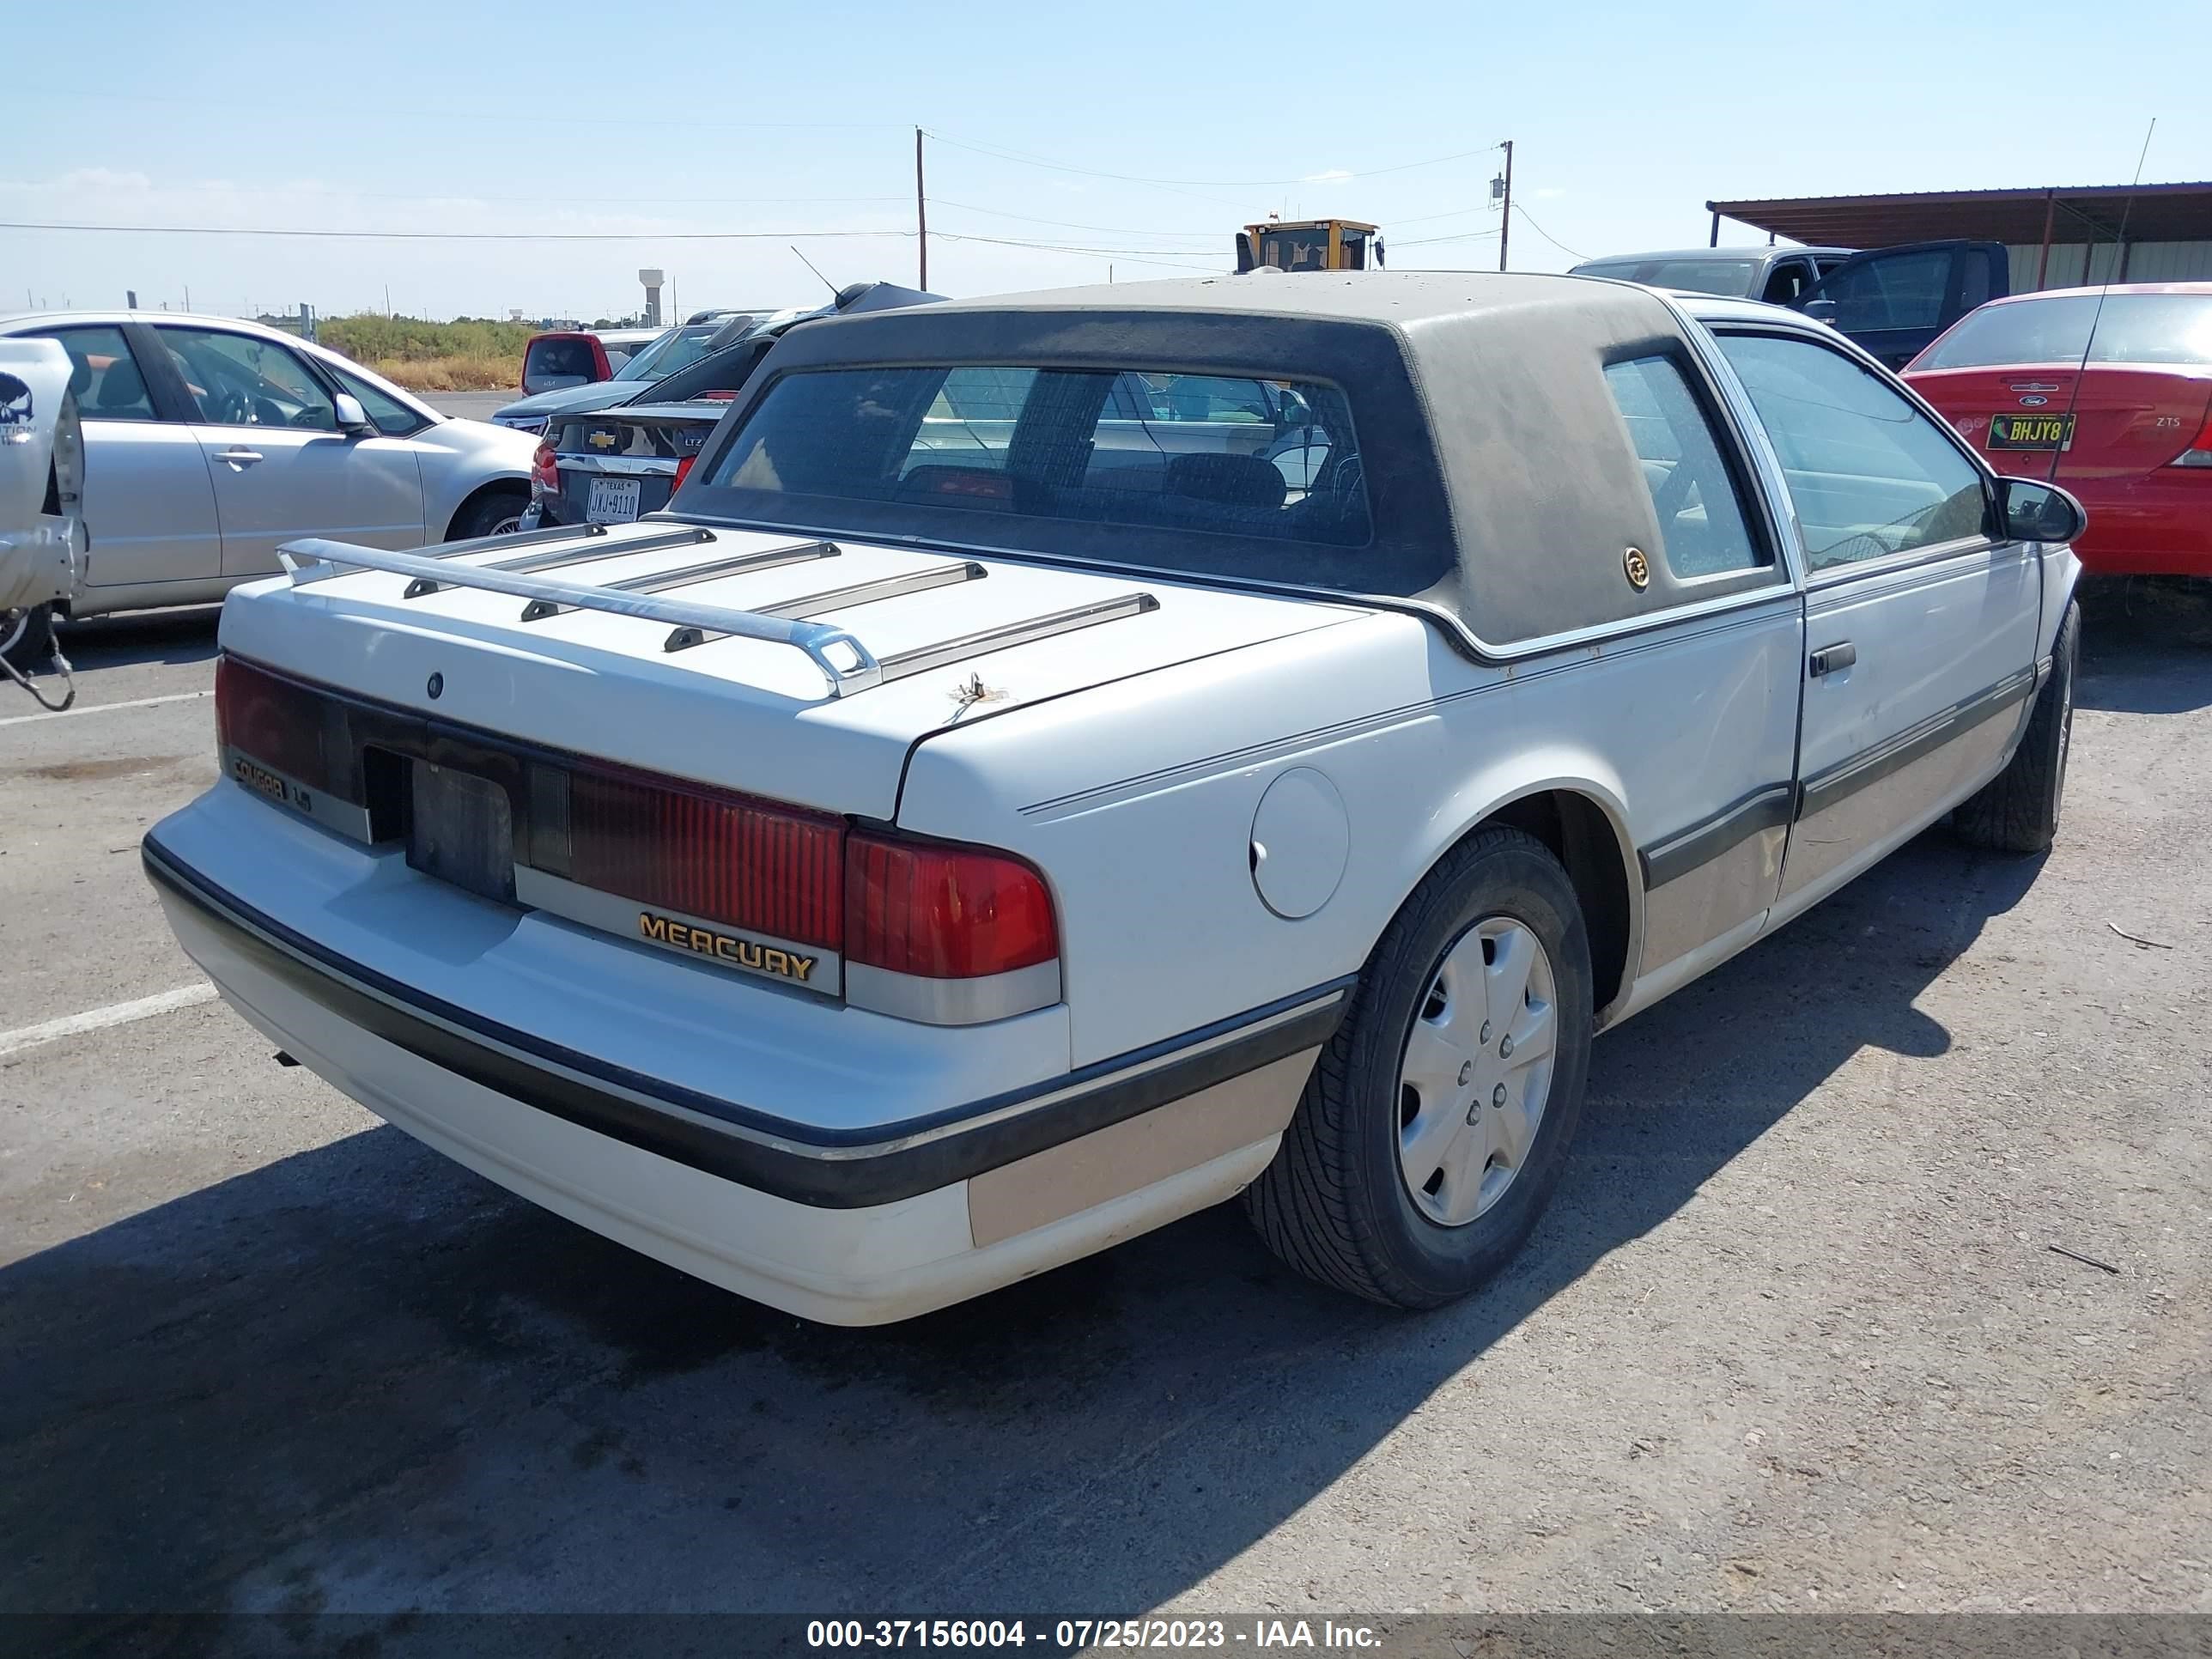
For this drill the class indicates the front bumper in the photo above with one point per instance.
(840, 1227)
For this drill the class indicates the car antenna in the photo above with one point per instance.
(2089, 340)
(812, 266)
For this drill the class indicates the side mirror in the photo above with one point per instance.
(1293, 413)
(1820, 311)
(2034, 511)
(353, 419)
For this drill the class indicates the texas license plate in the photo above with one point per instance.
(2030, 431)
(460, 829)
(612, 501)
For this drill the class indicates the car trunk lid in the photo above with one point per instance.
(2106, 422)
(959, 638)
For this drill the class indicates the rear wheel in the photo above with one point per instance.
(2017, 812)
(1436, 1122)
(499, 513)
(27, 637)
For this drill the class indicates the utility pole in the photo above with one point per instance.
(1505, 222)
(921, 213)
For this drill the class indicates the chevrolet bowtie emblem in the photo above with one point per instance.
(602, 440)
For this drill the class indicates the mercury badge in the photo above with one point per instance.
(1638, 568)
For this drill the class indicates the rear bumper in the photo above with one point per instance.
(2159, 525)
(831, 1227)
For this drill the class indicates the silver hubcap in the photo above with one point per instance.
(508, 526)
(1476, 1071)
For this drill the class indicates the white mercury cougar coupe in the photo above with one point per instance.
(1061, 761)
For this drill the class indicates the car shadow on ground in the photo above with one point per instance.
(359, 1379)
(184, 634)
(2145, 645)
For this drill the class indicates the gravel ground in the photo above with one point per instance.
(1794, 1337)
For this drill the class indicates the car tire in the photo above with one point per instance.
(497, 514)
(2017, 811)
(1339, 1203)
(27, 637)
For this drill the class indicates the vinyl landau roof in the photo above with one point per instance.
(1502, 483)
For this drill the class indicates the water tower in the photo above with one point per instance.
(652, 280)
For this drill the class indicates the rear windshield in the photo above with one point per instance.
(1213, 454)
(678, 349)
(1698, 275)
(2133, 328)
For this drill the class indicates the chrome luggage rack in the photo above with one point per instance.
(845, 664)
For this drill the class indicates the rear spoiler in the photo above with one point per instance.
(845, 664)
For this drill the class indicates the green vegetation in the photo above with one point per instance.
(462, 355)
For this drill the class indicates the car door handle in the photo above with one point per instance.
(238, 457)
(1829, 657)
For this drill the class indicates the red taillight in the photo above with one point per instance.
(275, 722)
(943, 912)
(683, 470)
(714, 397)
(545, 468)
(2199, 453)
(725, 858)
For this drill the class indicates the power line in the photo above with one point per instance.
(589, 236)
(1546, 234)
(1331, 176)
(463, 235)
(1070, 224)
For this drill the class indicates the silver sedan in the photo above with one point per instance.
(210, 442)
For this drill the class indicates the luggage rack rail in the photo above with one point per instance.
(845, 664)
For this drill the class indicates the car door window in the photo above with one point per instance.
(105, 376)
(1869, 474)
(236, 379)
(1703, 530)
(1788, 280)
(389, 416)
(1893, 290)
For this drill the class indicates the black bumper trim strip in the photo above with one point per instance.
(1689, 849)
(829, 1172)
(1869, 767)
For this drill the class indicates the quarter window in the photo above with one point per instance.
(1702, 528)
(235, 380)
(104, 375)
(1869, 475)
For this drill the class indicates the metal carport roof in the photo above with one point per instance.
(2065, 213)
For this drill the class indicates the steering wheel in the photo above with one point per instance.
(231, 407)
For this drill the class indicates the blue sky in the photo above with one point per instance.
(557, 117)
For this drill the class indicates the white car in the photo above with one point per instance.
(944, 844)
(210, 443)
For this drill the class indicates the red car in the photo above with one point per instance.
(2133, 439)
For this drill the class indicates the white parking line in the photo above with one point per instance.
(116, 1013)
(104, 708)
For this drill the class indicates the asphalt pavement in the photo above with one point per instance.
(1797, 1334)
(471, 405)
